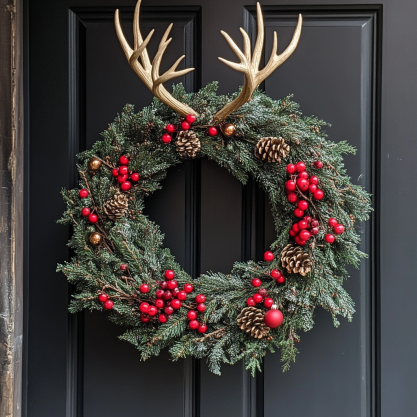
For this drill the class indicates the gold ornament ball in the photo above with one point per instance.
(94, 164)
(95, 238)
(229, 129)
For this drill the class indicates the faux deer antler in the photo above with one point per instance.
(250, 65)
(147, 72)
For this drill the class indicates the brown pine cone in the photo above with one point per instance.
(116, 208)
(187, 144)
(295, 260)
(271, 149)
(251, 320)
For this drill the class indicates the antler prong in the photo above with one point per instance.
(257, 51)
(246, 44)
(141, 48)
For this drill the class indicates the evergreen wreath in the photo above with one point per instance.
(120, 265)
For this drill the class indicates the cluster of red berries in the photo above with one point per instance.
(104, 298)
(304, 229)
(338, 229)
(122, 174)
(86, 212)
(193, 324)
(275, 273)
(301, 181)
(260, 296)
(185, 125)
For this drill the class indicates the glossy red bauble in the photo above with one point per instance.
(314, 180)
(300, 167)
(85, 212)
(190, 118)
(305, 235)
(292, 197)
(303, 175)
(314, 231)
(169, 274)
(83, 193)
(250, 302)
(318, 164)
(92, 218)
(339, 229)
(256, 282)
(172, 284)
(115, 172)
(298, 212)
(329, 238)
(201, 307)
(166, 138)
(182, 295)
(168, 310)
(185, 125)
(103, 297)
(291, 168)
(176, 304)
(167, 295)
(200, 298)
(135, 177)
(152, 311)
(170, 128)
(192, 315)
(122, 178)
(290, 185)
(281, 279)
(318, 194)
(332, 222)
(268, 256)
(202, 328)
(188, 288)
(144, 318)
(108, 305)
(275, 273)
(123, 170)
(273, 318)
(144, 307)
(268, 302)
(212, 131)
(257, 298)
(193, 324)
(144, 288)
(124, 160)
(302, 184)
(162, 318)
(159, 303)
(312, 188)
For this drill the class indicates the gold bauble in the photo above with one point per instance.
(229, 129)
(94, 164)
(95, 238)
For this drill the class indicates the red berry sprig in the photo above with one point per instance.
(337, 228)
(304, 229)
(122, 174)
(107, 303)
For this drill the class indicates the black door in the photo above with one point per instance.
(355, 68)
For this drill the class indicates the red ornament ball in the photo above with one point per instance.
(200, 298)
(159, 303)
(312, 188)
(83, 193)
(172, 284)
(125, 186)
(115, 172)
(250, 302)
(192, 315)
(103, 297)
(190, 118)
(85, 212)
(275, 273)
(166, 138)
(256, 282)
(182, 295)
(257, 298)
(318, 194)
(292, 197)
(332, 222)
(290, 185)
(302, 205)
(318, 164)
(162, 318)
(314, 180)
(185, 125)
(92, 218)
(303, 175)
(193, 324)
(169, 274)
(144, 307)
(302, 184)
(176, 304)
(329, 238)
(135, 177)
(298, 212)
(167, 295)
(268, 302)
(144, 318)
(152, 311)
(281, 279)
(212, 131)
(144, 288)
(122, 178)
(188, 288)
(124, 160)
(123, 170)
(202, 328)
(108, 305)
(268, 256)
(339, 229)
(291, 168)
(123, 267)
(170, 128)
(273, 318)
(300, 167)
(168, 310)
(201, 307)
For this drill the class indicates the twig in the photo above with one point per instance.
(216, 332)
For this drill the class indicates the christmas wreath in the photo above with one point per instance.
(120, 265)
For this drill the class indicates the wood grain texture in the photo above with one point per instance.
(11, 205)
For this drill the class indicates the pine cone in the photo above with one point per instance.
(251, 320)
(296, 260)
(271, 149)
(116, 208)
(187, 144)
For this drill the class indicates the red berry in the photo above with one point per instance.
(250, 302)
(292, 233)
(166, 138)
(201, 307)
(332, 222)
(123, 267)
(123, 160)
(268, 302)
(185, 125)
(182, 295)
(85, 212)
(290, 185)
(302, 184)
(296, 227)
(144, 288)
(202, 328)
(192, 315)
(103, 297)
(167, 295)
(108, 305)
(302, 205)
(314, 231)
(307, 219)
(314, 223)
(123, 170)
(83, 193)
(144, 307)
(159, 303)
(318, 194)
(305, 235)
(314, 180)
(291, 168)
(168, 310)
(275, 273)
(303, 175)
(200, 298)
(92, 218)
(281, 279)
(298, 212)
(175, 292)
(169, 274)
(170, 128)
(329, 238)
(122, 178)
(212, 131)
(193, 324)
(263, 292)
(144, 318)
(115, 172)
(268, 256)
(318, 164)
(152, 311)
(300, 167)
(190, 118)
(312, 188)
(256, 282)
(172, 284)
(302, 224)
(162, 318)
(135, 177)
(176, 304)
(292, 197)
(125, 186)
(339, 229)
(273, 318)
(257, 298)
(163, 285)
(188, 288)
(299, 241)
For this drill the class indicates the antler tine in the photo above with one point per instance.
(137, 36)
(250, 65)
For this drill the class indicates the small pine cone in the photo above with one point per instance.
(116, 208)
(295, 260)
(271, 149)
(251, 320)
(187, 144)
